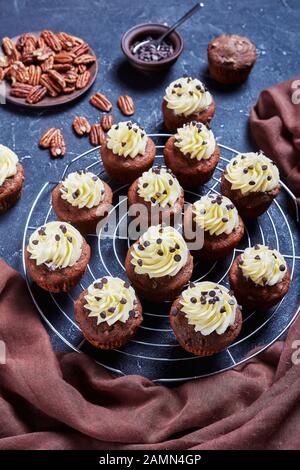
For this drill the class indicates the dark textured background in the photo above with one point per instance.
(273, 25)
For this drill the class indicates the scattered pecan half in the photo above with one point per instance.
(107, 121)
(20, 90)
(81, 125)
(97, 135)
(126, 105)
(52, 40)
(101, 102)
(34, 72)
(37, 94)
(83, 80)
(57, 145)
(46, 138)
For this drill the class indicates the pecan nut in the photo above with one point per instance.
(20, 44)
(85, 59)
(20, 90)
(34, 73)
(47, 64)
(57, 145)
(69, 89)
(51, 40)
(52, 87)
(37, 94)
(18, 72)
(81, 125)
(97, 135)
(101, 102)
(57, 78)
(63, 57)
(42, 54)
(107, 121)
(46, 138)
(83, 80)
(71, 77)
(81, 68)
(67, 40)
(62, 67)
(126, 105)
(80, 49)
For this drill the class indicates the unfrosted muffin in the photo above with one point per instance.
(205, 318)
(57, 256)
(159, 264)
(231, 58)
(127, 152)
(259, 277)
(192, 154)
(11, 178)
(82, 199)
(108, 312)
(212, 227)
(160, 193)
(251, 181)
(187, 99)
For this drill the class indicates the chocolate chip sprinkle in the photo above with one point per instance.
(70, 239)
(245, 170)
(145, 185)
(98, 285)
(225, 219)
(104, 280)
(140, 247)
(231, 302)
(160, 253)
(132, 313)
(264, 167)
(57, 238)
(257, 257)
(123, 301)
(269, 178)
(282, 267)
(177, 258)
(172, 249)
(111, 309)
(76, 194)
(212, 293)
(126, 285)
(251, 183)
(103, 315)
(193, 300)
(139, 262)
(146, 243)
(159, 241)
(35, 242)
(63, 228)
(222, 310)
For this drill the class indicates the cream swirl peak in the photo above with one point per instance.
(55, 244)
(159, 186)
(8, 163)
(195, 140)
(161, 251)
(127, 139)
(215, 214)
(209, 307)
(110, 299)
(252, 172)
(82, 189)
(187, 96)
(263, 265)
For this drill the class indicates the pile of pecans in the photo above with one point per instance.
(50, 64)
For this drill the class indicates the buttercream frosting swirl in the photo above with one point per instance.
(195, 140)
(55, 244)
(209, 307)
(187, 96)
(263, 265)
(215, 214)
(110, 299)
(252, 172)
(8, 163)
(127, 139)
(160, 251)
(159, 186)
(82, 189)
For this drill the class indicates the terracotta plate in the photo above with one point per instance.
(48, 101)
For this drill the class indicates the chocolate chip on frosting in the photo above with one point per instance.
(193, 300)
(282, 267)
(177, 258)
(35, 242)
(160, 252)
(63, 228)
(123, 301)
(103, 315)
(57, 238)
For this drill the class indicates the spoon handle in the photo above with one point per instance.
(185, 17)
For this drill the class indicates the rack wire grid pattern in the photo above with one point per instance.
(154, 352)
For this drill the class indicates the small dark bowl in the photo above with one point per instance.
(140, 32)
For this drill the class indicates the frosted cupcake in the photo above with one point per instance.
(259, 277)
(11, 178)
(192, 154)
(251, 181)
(159, 264)
(82, 199)
(187, 99)
(160, 193)
(214, 221)
(205, 318)
(108, 312)
(127, 152)
(57, 256)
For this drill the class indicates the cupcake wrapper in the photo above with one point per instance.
(9, 201)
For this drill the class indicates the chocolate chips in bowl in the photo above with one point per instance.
(148, 58)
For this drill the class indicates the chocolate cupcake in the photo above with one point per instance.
(160, 193)
(192, 154)
(11, 178)
(82, 199)
(159, 264)
(205, 318)
(231, 58)
(127, 152)
(251, 181)
(212, 227)
(259, 277)
(57, 256)
(187, 99)
(108, 313)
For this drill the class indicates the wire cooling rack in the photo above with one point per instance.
(154, 352)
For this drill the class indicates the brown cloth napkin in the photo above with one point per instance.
(66, 401)
(275, 126)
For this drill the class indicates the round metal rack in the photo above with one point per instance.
(154, 352)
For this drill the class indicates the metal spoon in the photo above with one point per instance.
(157, 42)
